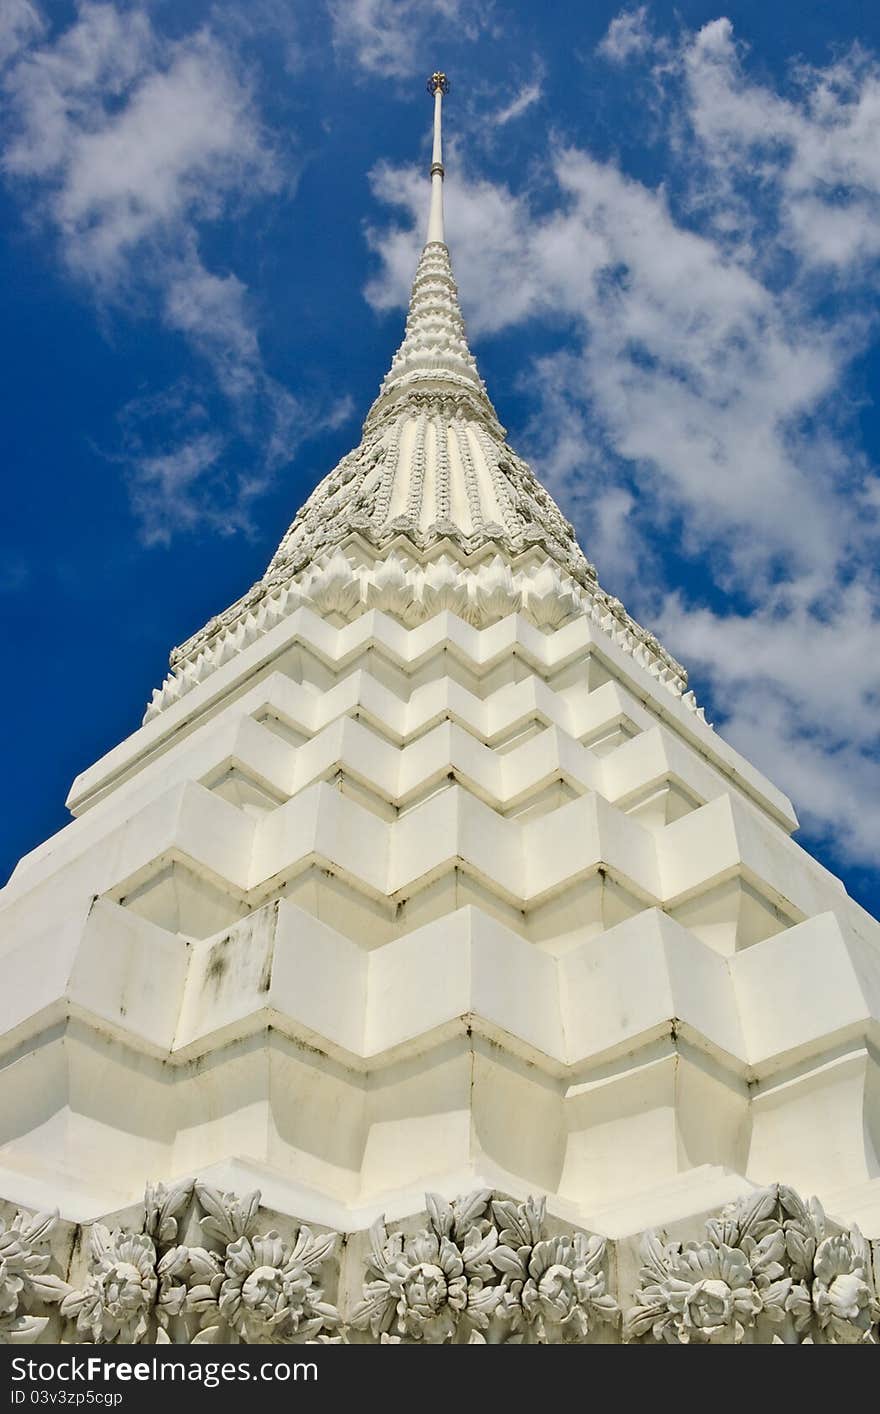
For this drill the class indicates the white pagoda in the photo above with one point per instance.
(426, 874)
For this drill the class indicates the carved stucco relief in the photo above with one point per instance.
(482, 1269)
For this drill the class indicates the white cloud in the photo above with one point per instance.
(212, 311)
(126, 143)
(486, 224)
(816, 152)
(699, 374)
(528, 95)
(277, 20)
(392, 37)
(135, 138)
(20, 23)
(575, 468)
(627, 36)
(697, 418)
(800, 690)
(168, 489)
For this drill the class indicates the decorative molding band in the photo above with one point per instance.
(413, 594)
(482, 1270)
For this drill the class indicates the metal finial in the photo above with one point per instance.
(438, 85)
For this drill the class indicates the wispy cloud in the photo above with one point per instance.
(815, 151)
(134, 137)
(212, 312)
(126, 144)
(800, 686)
(390, 37)
(627, 37)
(20, 22)
(698, 418)
(168, 489)
(526, 96)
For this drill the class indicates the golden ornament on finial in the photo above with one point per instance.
(438, 82)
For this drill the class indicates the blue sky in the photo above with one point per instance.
(665, 223)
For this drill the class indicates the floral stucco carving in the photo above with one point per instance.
(769, 1270)
(483, 1272)
(116, 1303)
(239, 1285)
(259, 1289)
(25, 1281)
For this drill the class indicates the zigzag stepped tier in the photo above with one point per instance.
(425, 871)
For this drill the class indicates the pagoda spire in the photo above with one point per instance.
(438, 85)
(432, 473)
(434, 356)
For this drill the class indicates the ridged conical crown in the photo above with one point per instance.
(434, 356)
(432, 462)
